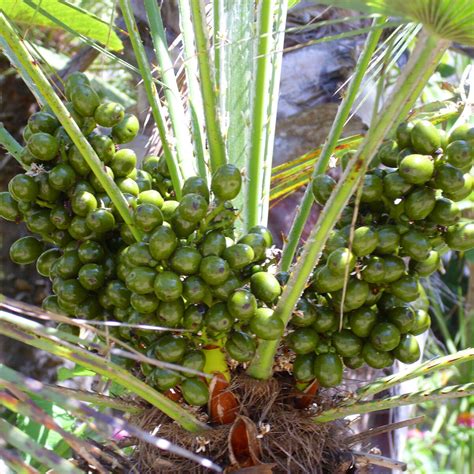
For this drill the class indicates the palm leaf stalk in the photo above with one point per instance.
(105, 368)
(274, 90)
(435, 395)
(195, 102)
(208, 88)
(14, 436)
(35, 73)
(321, 164)
(259, 130)
(236, 48)
(426, 368)
(426, 55)
(176, 167)
(11, 145)
(179, 122)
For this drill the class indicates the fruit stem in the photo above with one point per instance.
(11, 145)
(439, 394)
(208, 88)
(259, 159)
(31, 68)
(176, 172)
(420, 67)
(338, 124)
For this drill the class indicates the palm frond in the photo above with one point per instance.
(449, 19)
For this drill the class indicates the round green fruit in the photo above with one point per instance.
(385, 336)
(195, 392)
(23, 188)
(109, 114)
(346, 343)
(214, 270)
(185, 260)
(425, 137)
(408, 350)
(322, 186)
(84, 99)
(242, 305)
(265, 325)
(416, 169)
(362, 321)
(196, 185)
(170, 348)
(328, 369)
(163, 242)
(226, 182)
(168, 286)
(126, 130)
(218, 319)
(9, 207)
(46, 260)
(141, 280)
(265, 287)
(240, 346)
(25, 250)
(303, 340)
(193, 208)
(43, 146)
(460, 237)
(375, 358)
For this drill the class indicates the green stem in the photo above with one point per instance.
(107, 369)
(259, 125)
(421, 65)
(194, 93)
(34, 72)
(208, 91)
(273, 95)
(179, 122)
(153, 97)
(321, 164)
(426, 368)
(437, 395)
(11, 145)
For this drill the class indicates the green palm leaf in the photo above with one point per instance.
(450, 19)
(76, 18)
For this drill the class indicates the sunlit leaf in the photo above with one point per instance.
(23, 11)
(451, 19)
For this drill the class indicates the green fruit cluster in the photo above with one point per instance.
(366, 302)
(187, 272)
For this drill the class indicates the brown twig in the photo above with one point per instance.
(357, 438)
(377, 460)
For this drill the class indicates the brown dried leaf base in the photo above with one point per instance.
(289, 439)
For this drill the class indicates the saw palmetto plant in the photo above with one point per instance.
(166, 285)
